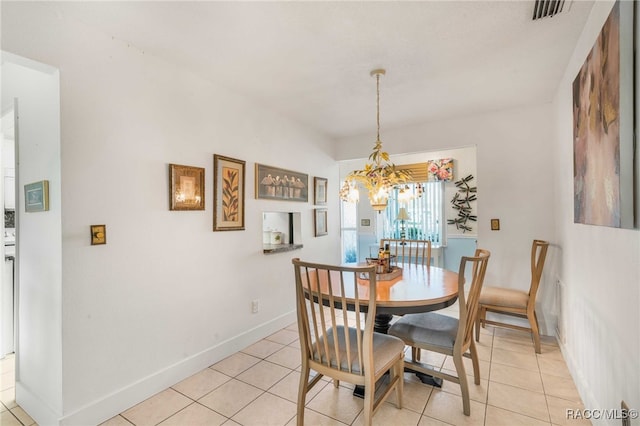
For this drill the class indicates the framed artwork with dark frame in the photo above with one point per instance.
(320, 222)
(36, 196)
(228, 193)
(319, 191)
(273, 183)
(186, 187)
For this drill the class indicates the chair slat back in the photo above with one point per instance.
(417, 252)
(332, 318)
(469, 304)
(538, 256)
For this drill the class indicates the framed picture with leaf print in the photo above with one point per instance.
(228, 193)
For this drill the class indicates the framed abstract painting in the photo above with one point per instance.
(603, 110)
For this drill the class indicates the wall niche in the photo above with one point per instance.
(281, 232)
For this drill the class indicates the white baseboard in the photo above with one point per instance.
(111, 405)
(588, 399)
(38, 410)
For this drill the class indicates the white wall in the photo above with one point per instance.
(166, 296)
(515, 184)
(599, 269)
(38, 248)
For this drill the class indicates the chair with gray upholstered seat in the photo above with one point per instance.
(515, 302)
(447, 335)
(335, 324)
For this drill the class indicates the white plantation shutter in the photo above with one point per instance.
(426, 213)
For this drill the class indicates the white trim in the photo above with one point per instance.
(35, 407)
(584, 390)
(123, 399)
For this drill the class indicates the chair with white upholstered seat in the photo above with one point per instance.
(447, 335)
(515, 302)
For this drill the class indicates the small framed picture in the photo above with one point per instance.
(319, 191)
(186, 187)
(365, 222)
(98, 234)
(36, 196)
(228, 193)
(495, 224)
(320, 222)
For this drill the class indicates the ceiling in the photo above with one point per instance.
(311, 60)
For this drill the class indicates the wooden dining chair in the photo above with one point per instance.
(336, 334)
(447, 335)
(417, 252)
(514, 302)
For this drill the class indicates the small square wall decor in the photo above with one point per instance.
(36, 196)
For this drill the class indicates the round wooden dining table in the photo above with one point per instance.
(418, 289)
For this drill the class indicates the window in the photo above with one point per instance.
(349, 230)
(425, 219)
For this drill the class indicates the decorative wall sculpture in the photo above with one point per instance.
(461, 202)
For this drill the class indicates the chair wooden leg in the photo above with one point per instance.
(464, 385)
(399, 373)
(533, 322)
(369, 400)
(302, 394)
(481, 316)
(415, 354)
(476, 363)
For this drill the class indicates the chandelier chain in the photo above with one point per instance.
(378, 104)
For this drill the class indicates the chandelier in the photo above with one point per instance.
(405, 194)
(379, 175)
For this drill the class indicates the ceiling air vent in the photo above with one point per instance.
(547, 8)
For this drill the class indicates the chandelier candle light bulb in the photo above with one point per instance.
(379, 175)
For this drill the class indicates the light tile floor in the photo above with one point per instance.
(259, 385)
